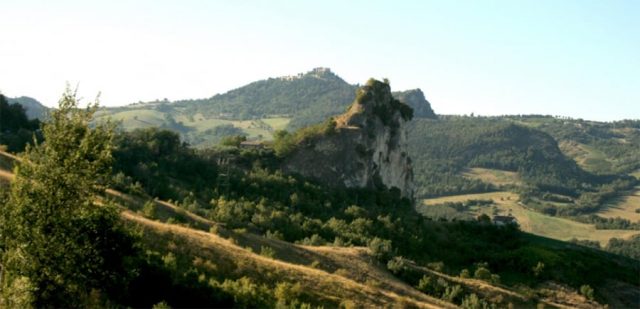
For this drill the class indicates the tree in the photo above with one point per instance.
(60, 248)
(16, 130)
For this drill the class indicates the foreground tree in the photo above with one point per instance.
(60, 249)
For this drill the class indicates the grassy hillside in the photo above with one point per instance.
(531, 221)
(256, 110)
(211, 256)
(462, 155)
(626, 206)
(600, 147)
(498, 178)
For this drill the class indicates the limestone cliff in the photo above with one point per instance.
(366, 149)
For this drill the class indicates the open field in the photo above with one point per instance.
(144, 118)
(532, 221)
(277, 123)
(624, 207)
(206, 124)
(587, 157)
(493, 176)
(133, 119)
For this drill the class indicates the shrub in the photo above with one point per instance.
(452, 293)
(437, 266)
(267, 251)
(473, 302)
(482, 274)
(286, 293)
(397, 265)
(380, 248)
(537, 270)
(586, 291)
(149, 209)
(426, 284)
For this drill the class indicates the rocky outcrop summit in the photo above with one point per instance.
(366, 147)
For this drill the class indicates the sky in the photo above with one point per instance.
(554, 57)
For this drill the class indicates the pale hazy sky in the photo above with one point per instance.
(573, 58)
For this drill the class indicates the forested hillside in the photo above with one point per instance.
(443, 150)
(599, 147)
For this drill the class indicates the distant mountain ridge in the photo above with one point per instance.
(34, 109)
(307, 98)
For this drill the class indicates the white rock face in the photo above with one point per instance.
(368, 148)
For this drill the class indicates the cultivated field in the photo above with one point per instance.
(261, 129)
(529, 220)
(493, 176)
(587, 157)
(626, 207)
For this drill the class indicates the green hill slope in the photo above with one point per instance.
(442, 150)
(255, 110)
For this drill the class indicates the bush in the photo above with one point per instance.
(473, 302)
(149, 209)
(452, 294)
(286, 293)
(482, 274)
(267, 251)
(397, 265)
(586, 291)
(380, 248)
(426, 284)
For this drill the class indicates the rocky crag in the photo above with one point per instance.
(365, 147)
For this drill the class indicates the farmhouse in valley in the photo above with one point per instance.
(504, 220)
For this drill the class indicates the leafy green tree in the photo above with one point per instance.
(234, 140)
(61, 249)
(16, 130)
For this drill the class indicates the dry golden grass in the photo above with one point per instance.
(501, 197)
(333, 274)
(624, 207)
(228, 254)
(493, 176)
(535, 222)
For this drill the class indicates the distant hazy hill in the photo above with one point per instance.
(415, 98)
(255, 110)
(306, 98)
(599, 147)
(457, 143)
(34, 109)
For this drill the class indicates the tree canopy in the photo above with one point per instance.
(60, 249)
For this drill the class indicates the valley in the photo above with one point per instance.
(325, 214)
(507, 203)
